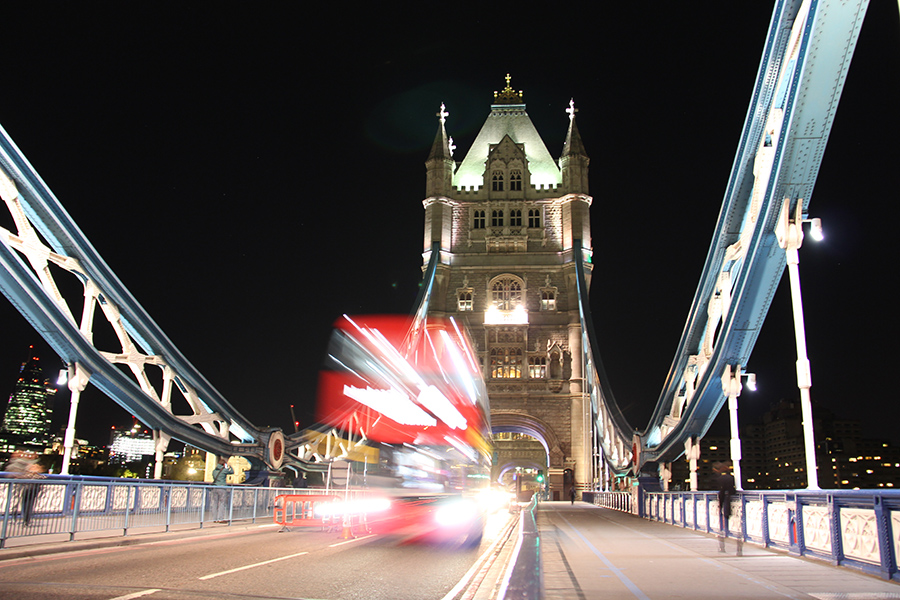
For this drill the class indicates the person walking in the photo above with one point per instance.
(220, 480)
(27, 469)
(726, 489)
(572, 494)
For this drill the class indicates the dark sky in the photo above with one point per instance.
(251, 171)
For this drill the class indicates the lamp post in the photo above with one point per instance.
(77, 379)
(789, 231)
(731, 385)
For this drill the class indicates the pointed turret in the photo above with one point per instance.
(439, 166)
(574, 160)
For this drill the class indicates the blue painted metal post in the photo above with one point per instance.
(9, 495)
(885, 545)
(76, 507)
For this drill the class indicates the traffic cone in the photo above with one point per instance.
(347, 529)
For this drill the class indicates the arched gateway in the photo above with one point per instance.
(505, 219)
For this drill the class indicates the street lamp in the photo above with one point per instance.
(789, 231)
(731, 385)
(77, 378)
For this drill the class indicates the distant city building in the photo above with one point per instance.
(130, 445)
(26, 424)
(774, 456)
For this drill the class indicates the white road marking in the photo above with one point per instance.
(265, 562)
(365, 537)
(135, 595)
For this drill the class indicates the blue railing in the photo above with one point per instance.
(70, 506)
(853, 528)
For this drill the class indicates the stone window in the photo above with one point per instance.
(478, 220)
(537, 367)
(515, 180)
(548, 298)
(534, 218)
(497, 218)
(506, 292)
(515, 218)
(464, 300)
(497, 181)
(506, 362)
(507, 351)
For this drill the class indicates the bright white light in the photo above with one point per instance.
(432, 399)
(495, 316)
(457, 513)
(392, 404)
(366, 506)
(492, 499)
(751, 381)
(815, 229)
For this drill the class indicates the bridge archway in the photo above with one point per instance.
(516, 422)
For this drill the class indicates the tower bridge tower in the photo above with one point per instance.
(505, 219)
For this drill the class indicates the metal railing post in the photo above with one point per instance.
(168, 499)
(76, 507)
(9, 495)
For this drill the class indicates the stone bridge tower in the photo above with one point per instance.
(506, 218)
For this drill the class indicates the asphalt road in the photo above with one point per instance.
(253, 563)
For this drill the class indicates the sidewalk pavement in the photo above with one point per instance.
(590, 552)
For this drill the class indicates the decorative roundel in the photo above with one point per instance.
(276, 450)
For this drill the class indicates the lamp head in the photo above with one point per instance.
(815, 229)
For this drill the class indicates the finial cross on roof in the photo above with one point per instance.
(572, 110)
(451, 146)
(443, 114)
(508, 95)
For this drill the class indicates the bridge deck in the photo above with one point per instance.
(591, 552)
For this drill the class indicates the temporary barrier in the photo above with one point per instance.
(294, 510)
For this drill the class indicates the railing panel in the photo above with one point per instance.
(817, 528)
(855, 528)
(64, 506)
(859, 535)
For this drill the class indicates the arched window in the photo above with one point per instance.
(548, 299)
(515, 180)
(534, 218)
(478, 220)
(506, 363)
(497, 181)
(537, 367)
(515, 218)
(497, 218)
(464, 300)
(506, 292)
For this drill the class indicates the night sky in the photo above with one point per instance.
(253, 170)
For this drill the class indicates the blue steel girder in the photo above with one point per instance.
(33, 291)
(802, 72)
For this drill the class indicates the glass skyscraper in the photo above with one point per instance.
(30, 411)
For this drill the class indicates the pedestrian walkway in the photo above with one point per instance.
(590, 552)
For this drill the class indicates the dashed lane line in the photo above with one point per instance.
(259, 564)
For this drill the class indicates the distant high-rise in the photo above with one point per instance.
(30, 410)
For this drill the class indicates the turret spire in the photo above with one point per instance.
(574, 160)
(440, 165)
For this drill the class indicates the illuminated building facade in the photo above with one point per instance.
(773, 455)
(506, 218)
(30, 410)
(130, 445)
